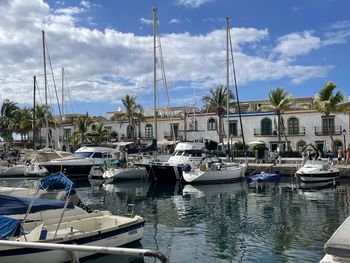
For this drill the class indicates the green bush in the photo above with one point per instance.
(290, 154)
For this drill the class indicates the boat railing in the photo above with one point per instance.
(90, 249)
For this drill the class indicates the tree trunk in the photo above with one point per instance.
(279, 131)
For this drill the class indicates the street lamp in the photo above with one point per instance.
(344, 134)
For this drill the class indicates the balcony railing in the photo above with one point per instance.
(234, 134)
(323, 131)
(300, 132)
(265, 133)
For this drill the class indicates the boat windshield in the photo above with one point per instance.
(83, 154)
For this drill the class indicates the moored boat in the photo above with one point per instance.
(264, 177)
(317, 171)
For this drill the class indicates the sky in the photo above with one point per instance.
(106, 50)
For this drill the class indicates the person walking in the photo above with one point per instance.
(347, 159)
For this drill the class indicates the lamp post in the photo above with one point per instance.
(344, 134)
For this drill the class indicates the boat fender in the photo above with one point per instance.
(186, 168)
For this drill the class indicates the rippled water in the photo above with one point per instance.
(227, 222)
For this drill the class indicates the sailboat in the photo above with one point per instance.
(212, 169)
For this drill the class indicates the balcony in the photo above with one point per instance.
(265, 133)
(323, 131)
(300, 132)
(234, 134)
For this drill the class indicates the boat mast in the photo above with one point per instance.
(154, 12)
(236, 90)
(227, 85)
(62, 111)
(45, 81)
(34, 88)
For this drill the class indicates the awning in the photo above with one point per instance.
(122, 143)
(165, 143)
(252, 143)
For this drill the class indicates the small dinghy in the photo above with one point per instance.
(263, 177)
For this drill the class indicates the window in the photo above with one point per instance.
(148, 131)
(233, 128)
(293, 126)
(211, 124)
(327, 123)
(266, 126)
(337, 146)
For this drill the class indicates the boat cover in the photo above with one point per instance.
(9, 227)
(58, 178)
(149, 148)
(11, 205)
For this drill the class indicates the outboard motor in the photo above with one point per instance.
(186, 168)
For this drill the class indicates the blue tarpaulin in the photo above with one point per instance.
(58, 178)
(9, 227)
(149, 148)
(11, 205)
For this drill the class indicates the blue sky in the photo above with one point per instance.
(106, 49)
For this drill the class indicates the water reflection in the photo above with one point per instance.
(271, 222)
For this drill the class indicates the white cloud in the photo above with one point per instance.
(296, 44)
(337, 33)
(192, 3)
(174, 21)
(104, 65)
(146, 21)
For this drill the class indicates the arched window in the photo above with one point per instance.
(266, 126)
(293, 125)
(148, 131)
(301, 145)
(338, 145)
(211, 124)
(193, 124)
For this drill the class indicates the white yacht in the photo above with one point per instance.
(317, 171)
(81, 161)
(171, 170)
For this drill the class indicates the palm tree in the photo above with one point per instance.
(41, 114)
(133, 112)
(327, 103)
(23, 121)
(98, 132)
(279, 102)
(217, 102)
(7, 113)
(82, 128)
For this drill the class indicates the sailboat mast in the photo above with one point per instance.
(227, 81)
(236, 89)
(154, 12)
(62, 92)
(34, 97)
(45, 81)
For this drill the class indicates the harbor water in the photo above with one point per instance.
(237, 222)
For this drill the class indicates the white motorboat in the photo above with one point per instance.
(100, 228)
(211, 170)
(128, 173)
(317, 171)
(35, 170)
(81, 161)
(171, 170)
(16, 170)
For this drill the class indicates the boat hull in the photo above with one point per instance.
(229, 174)
(125, 173)
(115, 237)
(164, 172)
(81, 170)
(318, 177)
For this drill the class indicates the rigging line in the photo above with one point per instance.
(166, 87)
(143, 59)
(68, 92)
(54, 82)
(236, 88)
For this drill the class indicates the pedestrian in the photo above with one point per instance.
(347, 160)
(319, 155)
(340, 156)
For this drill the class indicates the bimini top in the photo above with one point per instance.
(11, 205)
(9, 227)
(58, 178)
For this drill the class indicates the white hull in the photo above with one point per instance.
(125, 173)
(318, 178)
(35, 170)
(16, 170)
(225, 174)
(109, 230)
(317, 171)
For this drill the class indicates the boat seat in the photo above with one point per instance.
(339, 243)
